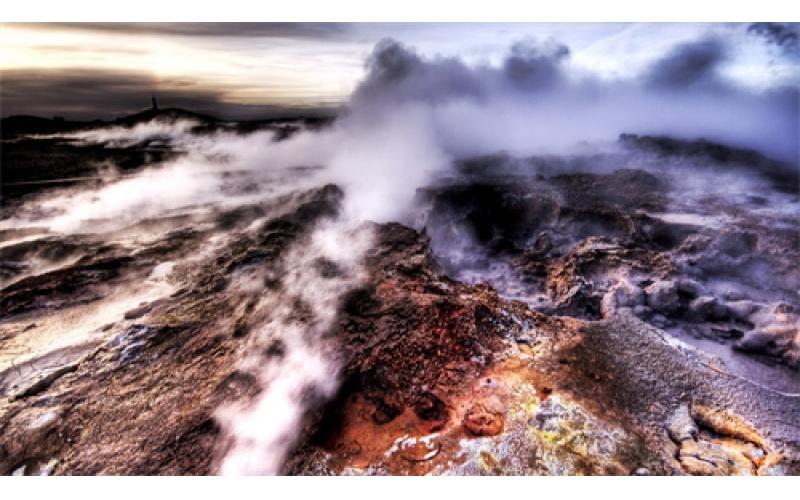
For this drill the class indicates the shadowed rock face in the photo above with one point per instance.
(126, 354)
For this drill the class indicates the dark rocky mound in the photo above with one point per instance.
(784, 176)
(169, 115)
(19, 125)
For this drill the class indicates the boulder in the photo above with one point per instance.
(742, 309)
(708, 308)
(690, 287)
(623, 294)
(662, 296)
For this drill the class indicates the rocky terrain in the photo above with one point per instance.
(633, 312)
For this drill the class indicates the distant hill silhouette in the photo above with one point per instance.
(16, 125)
(169, 114)
(29, 125)
(19, 125)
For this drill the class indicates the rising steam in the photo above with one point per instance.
(298, 372)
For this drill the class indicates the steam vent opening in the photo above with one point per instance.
(487, 258)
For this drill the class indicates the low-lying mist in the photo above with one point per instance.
(303, 373)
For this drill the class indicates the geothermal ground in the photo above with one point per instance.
(170, 308)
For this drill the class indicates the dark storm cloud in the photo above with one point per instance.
(688, 64)
(391, 61)
(535, 66)
(398, 73)
(322, 31)
(92, 94)
(782, 35)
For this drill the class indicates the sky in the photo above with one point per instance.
(84, 71)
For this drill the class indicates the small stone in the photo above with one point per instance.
(659, 320)
(731, 293)
(691, 287)
(753, 341)
(138, 312)
(642, 311)
(774, 340)
(784, 308)
(481, 421)
(707, 308)
(742, 309)
(662, 296)
(419, 449)
(627, 295)
(623, 294)
(681, 426)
